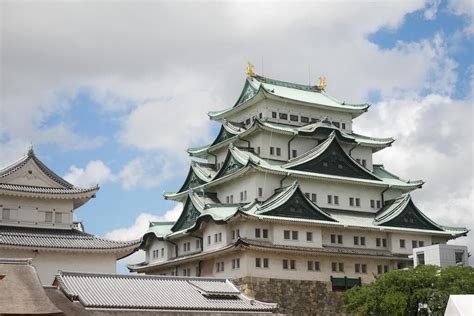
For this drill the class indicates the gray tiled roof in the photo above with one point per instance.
(36, 189)
(58, 238)
(324, 249)
(112, 291)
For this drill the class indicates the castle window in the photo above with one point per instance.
(286, 234)
(304, 119)
(357, 268)
(379, 204)
(209, 239)
(421, 243)
(336, 124)
(341, 266)
(294, 235)
(265, 233)
(48, 217)
(236, 263)
(329, 199)
(231, 198)
(337, 267)
(215, 238)
(278, 151)
(307, 195)
(198, 243)
(283, 116)
(351, 201)
(362, 241)
(356, 240)
(339, 239)
(357, 202)
(314, 120)
(343, 125)
(292, 264)
(364, 162)
(6, 213)
(293, 118)
(314, 198)
(413, 243)
(309, 236)
(260, 115)
(377, 242)
(258, 262)
(385, 269)
(333, 239)
(294, 153)
(162, 252)
(257, 232)
(220, 237)
(313, 265)
(336, 199)
(402, 243)
(372, 203)
(384, 242)
(265, 262)
(260, 192)
(272, 151)
(58, 218)
(274, 114)
(379, 269)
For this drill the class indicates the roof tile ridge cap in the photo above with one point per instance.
(323, 92)
(15, 165)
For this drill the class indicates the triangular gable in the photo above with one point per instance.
(223, 135)
(405, 214)
(247, 93)
(333, 160)
(32, 172)
(230, 166)
(188, 216)
(297, 205)
(192, 181)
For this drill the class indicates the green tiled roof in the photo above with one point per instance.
(309, 129)
(260, 87)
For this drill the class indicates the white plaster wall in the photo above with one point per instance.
(348, 238)
(278, 235)
(157, 244)
(245, 183)
(47, 263)
(211, 229)
(267, 106)
(440, 255)
(360, 152)
(31, 212)
(395, 242)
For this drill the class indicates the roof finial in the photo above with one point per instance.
(250, 71)
(29, 151)
(322, 83)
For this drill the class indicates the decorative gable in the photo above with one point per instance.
(222, 136)
(247, 93)
(411, 217)
(192, 181)
(188, 216)
(230, 166)
(298, 206)
(334, 161)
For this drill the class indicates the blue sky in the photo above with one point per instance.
(114, 93)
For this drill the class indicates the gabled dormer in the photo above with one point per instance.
(329, 158)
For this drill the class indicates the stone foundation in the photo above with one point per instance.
(294, 297)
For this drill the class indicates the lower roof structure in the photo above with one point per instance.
(60, 239)
(137, 292)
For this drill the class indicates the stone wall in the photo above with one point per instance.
(294, 297)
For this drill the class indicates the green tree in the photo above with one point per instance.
(399, 292)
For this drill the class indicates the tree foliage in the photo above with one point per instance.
(399, 292)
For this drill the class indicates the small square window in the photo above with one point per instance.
(339, 239)
(343, 125)
(292, 264)
(351, 201)
(413, 243)
(336, 200)
(283, 116)
(364, 268)
(294, 153)
(258, 262)
(316, 266)
(334, 267)
(265, 262)
(274, 114)
(260, 192)
(294, 235)
(333, 239)
(272, 150)
(379, 204)
(329, 199)
(314, 198)
(402, 243)
(362, 241)
(356, 240)
(257, 232)
(310, 266)
(265, 233)
(341, 267)
(285, 264)
(384, 242)
(421, 243)
(6, 213)
(48, 217)
(372, 203)
(385, 269)
(357, 268)
(357, 202)
(304, 119)
(278, 151)
(209, 240)
(294, 118)
(377, 242)
(309, 236)
(336, 124)
(286, 234)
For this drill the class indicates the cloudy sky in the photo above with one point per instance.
(113, 92)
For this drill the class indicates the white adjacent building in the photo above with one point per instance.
(37, 221)
(288, 192)
(441, 255)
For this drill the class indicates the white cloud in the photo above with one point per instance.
(96, 172)
(434, 143)
(431, 9)
(147, 172)
(136, 231)
(464, 8)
